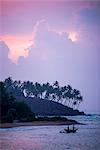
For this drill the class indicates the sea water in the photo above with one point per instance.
(49, 137)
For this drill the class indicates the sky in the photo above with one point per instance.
(49, 40)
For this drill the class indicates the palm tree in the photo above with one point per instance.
(8, 84)
(50, 90)
(80, 99)
(27, 88)
(53, 97)
(17, 88)
(60, 96)
(76, 95)
(69, 94)
(69, 88)
(46, 87)
(14, 87)
(56, 84)
(55, 91)
(63, 91)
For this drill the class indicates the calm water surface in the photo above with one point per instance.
(49, 138)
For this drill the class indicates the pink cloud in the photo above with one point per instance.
(17, 45)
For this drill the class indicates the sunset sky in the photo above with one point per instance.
(49, 40)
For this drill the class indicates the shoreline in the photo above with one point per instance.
(39, 123)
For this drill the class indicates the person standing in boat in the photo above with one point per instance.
(73, 127)
(68, 128)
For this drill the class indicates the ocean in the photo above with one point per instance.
(49, 137)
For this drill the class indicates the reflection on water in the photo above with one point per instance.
(49, 138)
(21, 138)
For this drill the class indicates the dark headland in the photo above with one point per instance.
(25, 103)
(44, 107)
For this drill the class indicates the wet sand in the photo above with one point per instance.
(37, 123)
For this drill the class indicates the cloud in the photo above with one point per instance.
(48, 54)
(36, 26)
(6, 66)
(73, 36)
(91, 16)
(17, 46)
(66, 18)
(47, 41)
(4, 50)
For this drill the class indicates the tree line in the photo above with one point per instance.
(11, 110)
(54, 92)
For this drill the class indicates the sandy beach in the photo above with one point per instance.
(37, 123)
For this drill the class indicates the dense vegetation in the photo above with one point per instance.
(61, 94)
(10, 109)
(10, 91)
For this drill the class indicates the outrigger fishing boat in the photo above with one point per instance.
(68, 130)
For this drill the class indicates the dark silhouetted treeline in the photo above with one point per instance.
(61, 94)
(10, 109)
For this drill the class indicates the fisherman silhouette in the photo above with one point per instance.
(73, 127)
(68, 128)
